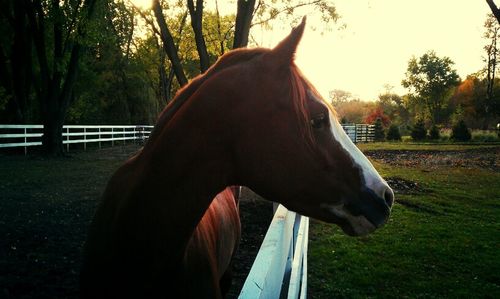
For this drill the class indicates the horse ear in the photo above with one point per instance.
(284, 52)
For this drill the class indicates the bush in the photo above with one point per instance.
(484, 136)
(460, 132)
(379, 130)
(418, 132)
(393, 133)
(434, 133)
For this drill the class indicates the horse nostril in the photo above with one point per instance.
(389, 196)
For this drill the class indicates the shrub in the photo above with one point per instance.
(434, 133)
(460, 132)
(393, 133)
(418, 132)
(379, 130)
(484, 136)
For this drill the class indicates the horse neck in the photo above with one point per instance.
(181, 172)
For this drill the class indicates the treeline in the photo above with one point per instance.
(109, 62)
(437, 98)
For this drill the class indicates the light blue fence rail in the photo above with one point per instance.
(280, 268)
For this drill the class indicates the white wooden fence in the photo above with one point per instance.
(360, 132)
(280, 268)
(31, 135)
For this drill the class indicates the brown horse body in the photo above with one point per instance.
(252, 119)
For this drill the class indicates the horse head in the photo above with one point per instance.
(291, 148)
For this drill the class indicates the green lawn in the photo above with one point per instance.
(442, 240)
(424, 146)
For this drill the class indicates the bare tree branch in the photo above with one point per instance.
(494, 9)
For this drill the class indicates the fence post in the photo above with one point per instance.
(67, 139)
(123, 136)
(25, 140)
(84, 139)
(355, 133)
(99, 137)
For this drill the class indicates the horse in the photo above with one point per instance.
(252, 119)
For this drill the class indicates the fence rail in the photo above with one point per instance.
(360, 132)
(31, 135)
(280, 268)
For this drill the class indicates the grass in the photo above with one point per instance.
(424, 146)
(441, 242)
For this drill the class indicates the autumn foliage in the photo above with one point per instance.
(377, 113)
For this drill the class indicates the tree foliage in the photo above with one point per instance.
(378, 129)
(430, 79)
(434, 133)
(393, 133)
(377, 115)
(460, 132)
(418, 132)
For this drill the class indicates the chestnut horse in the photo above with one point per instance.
(252, 119)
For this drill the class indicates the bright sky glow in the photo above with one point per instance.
(379, 39)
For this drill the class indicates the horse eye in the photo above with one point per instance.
(319, 121)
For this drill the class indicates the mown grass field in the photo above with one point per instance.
(442, 240)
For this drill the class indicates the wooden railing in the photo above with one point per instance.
(360, 132)
(31, 135)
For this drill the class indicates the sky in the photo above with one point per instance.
(370, 45)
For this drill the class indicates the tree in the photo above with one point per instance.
(393, 133)
(394, 106)
(339, 97)
(434, 133)
(418, 131)
(460, 132)
(431, 79)
(378, 130)
(491, 34)
(354, 111)
(377, 115)
(247, 11)
(49, 38)
(494, 9)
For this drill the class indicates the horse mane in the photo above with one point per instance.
(227, 60)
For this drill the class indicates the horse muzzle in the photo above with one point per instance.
(364, 214)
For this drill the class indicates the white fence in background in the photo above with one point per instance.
(360, 132)
(280, 268)
(31, 135)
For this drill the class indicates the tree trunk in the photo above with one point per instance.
(196, 14)
(56, 86)
(21, 62)
(169, 45)
(244, 16)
